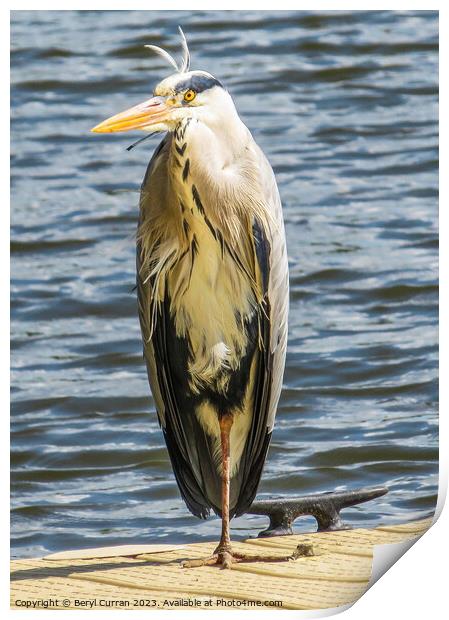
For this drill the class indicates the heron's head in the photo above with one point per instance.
(185, 94)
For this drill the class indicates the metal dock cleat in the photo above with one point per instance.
(325, 507)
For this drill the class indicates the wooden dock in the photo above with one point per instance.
(337, 574)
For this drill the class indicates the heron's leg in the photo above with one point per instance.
(222, 554)
(223, 550)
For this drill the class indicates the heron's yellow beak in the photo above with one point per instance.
(143, 115)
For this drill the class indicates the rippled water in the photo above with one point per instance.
(345, 106)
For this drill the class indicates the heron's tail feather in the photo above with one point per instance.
(198, 482)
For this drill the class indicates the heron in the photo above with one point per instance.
(212, 287)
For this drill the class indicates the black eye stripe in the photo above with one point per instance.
(198, 83)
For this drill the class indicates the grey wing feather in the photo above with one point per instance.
(278, 289)
(142, 299)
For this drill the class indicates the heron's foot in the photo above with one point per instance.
(224, 556)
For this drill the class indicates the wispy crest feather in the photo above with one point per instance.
(185, 52)
(185, 62)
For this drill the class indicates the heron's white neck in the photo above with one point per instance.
(213, 138)
(214, 173)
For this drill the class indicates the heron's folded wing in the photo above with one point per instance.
(270, 260)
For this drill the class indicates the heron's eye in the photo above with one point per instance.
(190, 95)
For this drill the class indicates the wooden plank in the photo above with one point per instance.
(337, 574)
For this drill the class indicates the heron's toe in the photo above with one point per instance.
(212, 559)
